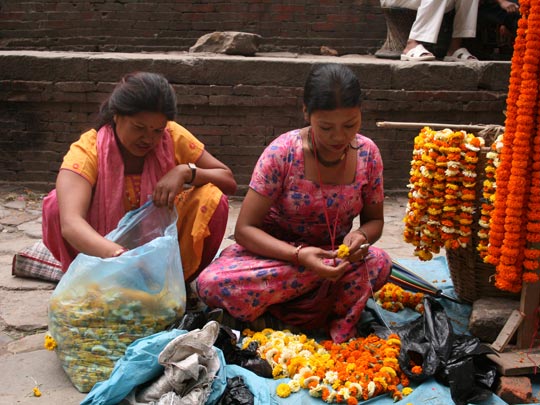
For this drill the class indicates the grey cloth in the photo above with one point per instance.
(191, 364)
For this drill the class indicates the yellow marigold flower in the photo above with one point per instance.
(50, 343)
(407, 390)
(393, 341)
(388, 370)
(278, 372)
(36, 391)
(283, 390)
(343, 251)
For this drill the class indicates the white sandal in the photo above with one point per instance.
(461, 55)
(418, 54)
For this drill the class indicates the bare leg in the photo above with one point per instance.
(455, 44)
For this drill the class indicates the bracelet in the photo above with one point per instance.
(364, 234)
(296, 254)
(120, 252)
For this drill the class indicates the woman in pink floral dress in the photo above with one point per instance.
(306, 189)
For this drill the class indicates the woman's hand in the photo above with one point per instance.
(74, 194)
(508, 6)
(170, 185)
(357, 244)
(322, 262)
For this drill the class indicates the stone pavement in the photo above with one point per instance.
(23, 302)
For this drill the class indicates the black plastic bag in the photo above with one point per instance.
(237, 393)
(457, 361)
(197, 319)
(247, 358)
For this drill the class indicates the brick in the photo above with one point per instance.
(514, 390)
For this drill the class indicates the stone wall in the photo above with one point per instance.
(175, 25)
(235, 105)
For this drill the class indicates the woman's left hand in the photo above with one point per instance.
(355, 240)
(170, 185)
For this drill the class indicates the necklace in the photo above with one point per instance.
(332, 228)
(132, 189)
(318, 158)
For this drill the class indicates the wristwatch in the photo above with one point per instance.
(193, 172)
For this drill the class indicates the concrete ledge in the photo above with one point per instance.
(235, 104)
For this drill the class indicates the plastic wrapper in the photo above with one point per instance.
(457, 361)
(237, 393)
(102, 305)
(247, 358)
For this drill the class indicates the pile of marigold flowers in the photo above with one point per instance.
(393, 298)
(442, 191)
(347, 373)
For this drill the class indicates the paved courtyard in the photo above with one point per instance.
(23, 302)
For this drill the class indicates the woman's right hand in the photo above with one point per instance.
(323, 262)
(74, 194)
(509, 6)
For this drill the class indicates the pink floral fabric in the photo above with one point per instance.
(247, 285)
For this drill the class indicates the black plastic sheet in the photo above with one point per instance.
(236, 393)
(457, 361)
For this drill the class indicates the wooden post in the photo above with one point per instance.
(530, 299)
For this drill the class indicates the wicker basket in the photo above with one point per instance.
(472, 278)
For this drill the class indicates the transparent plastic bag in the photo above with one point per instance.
(101, 306)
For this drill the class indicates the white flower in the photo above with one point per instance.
(294, 385)
(371, 388)
(331, 376)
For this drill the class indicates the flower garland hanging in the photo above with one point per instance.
(488, 194)
(442, 191)
(348, 372)
(513, 223)
(426, 196)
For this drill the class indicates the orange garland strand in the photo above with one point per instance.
(513, 222)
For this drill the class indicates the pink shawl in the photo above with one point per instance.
(107, 206)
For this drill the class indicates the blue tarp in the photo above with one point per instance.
(140, 362)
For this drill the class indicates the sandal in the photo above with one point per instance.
(418, 54)
(460, 55)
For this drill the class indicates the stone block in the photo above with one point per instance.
(514, 390)
(488, 317)
(25, 310)
(26, 344)
(228, 42)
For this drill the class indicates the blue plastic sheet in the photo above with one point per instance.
(140, 365)
(143, 356)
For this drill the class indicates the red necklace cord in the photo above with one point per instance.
(331, 231)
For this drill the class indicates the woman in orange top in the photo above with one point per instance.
(137, 152)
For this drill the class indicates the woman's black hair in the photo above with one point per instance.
(330, 86)
(139, 92)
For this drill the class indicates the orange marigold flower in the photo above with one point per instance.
(416, 370)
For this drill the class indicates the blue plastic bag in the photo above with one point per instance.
(140, 365)
(100, 306)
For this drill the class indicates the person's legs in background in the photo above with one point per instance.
(466, 13)
(426, 26)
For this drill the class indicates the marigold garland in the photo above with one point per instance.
(350, 372)
(442, 191)
(393, 298)
(515, 226)
(488, 194)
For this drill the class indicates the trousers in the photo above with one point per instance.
(430, 14)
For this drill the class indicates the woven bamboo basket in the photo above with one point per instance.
(472, 278)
